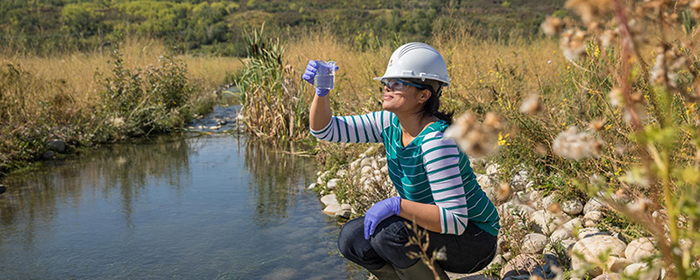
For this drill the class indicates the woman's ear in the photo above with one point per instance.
(424, 95)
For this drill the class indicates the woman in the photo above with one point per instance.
(436, 185)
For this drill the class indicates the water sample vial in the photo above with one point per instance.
(325, 76)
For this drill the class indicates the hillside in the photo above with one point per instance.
(217, 27)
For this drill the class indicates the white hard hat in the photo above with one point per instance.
(416, 61)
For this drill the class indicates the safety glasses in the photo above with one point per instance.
(398, 84)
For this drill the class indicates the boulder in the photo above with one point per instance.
(570, 225)
(548, 201)
(521, 265)
(484, 181)
(520, 181)
(332, 184)
(617, 265)
(559, 235)
(589, 249)
(331, 209)
(594, 204)
(329, 199)
(608, 276)
(57, 145)
(534, 243)
(640, 249)
(592, 218)
(545, 222)
(492, 169)
(572, 207)
(643, 271)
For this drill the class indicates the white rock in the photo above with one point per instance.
(616, 264)
(570, 225)
(331, 209)
(377, 172)
(645, 272)
(534, 243)
(592, 218)
(607, 276)
(572, 207)
(520, 180)
(640, 249)
(313, 185)
(366, 170)
(492, 169)
(366, 162)
(535, 196)
(594, 204)
(484, 181)
(344, 212)
(341, 173)
(589, 232)
(329, 199)
(332, 184)
(559, 235)
(546, 223)
(355, 164)
(548, 200)
(384, 169)
(345, 206)
(592, 247)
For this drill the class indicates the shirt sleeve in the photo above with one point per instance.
(355, 129)
(441, 161)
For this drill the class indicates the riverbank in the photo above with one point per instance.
(56, 105)
(544, 233)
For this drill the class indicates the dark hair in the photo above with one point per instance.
(432, 106)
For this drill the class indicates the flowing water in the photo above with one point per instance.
(175, 207)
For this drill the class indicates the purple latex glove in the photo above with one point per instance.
(380, 211)
(310, 74)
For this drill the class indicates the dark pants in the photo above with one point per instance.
(466, 253)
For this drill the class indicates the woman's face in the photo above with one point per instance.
(403, 98)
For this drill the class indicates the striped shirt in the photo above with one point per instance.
(431, 169)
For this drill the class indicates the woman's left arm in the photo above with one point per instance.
(449, 214)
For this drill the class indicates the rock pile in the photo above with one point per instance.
(550, 235)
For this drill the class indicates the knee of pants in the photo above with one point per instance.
(351, 233)
(390, 240)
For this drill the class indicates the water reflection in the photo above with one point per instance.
(204, 207)
(272, 180)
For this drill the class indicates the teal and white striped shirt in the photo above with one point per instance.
(431, 169)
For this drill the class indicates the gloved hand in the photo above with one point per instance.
(380, 211)
(310, 74)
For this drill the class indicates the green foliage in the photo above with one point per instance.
(272, 102)
(47, 27)
(152, 100)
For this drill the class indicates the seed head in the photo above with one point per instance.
(503, 192)
(695, 8)
(597, 125)
(475, 139)
(575, 145)
(572, 44)
(616, 98)
(589, 10)
(552, 25)
(531, 105)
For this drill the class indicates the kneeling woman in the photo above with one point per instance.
(436, 185)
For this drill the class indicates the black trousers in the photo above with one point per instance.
(466, 253)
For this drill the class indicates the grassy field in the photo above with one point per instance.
(74, 97)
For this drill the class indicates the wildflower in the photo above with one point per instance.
(552, 25)
(531, 105)
(589, 10)
(572, 44)
(575, 145)
(616, 98)
(473, 138)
